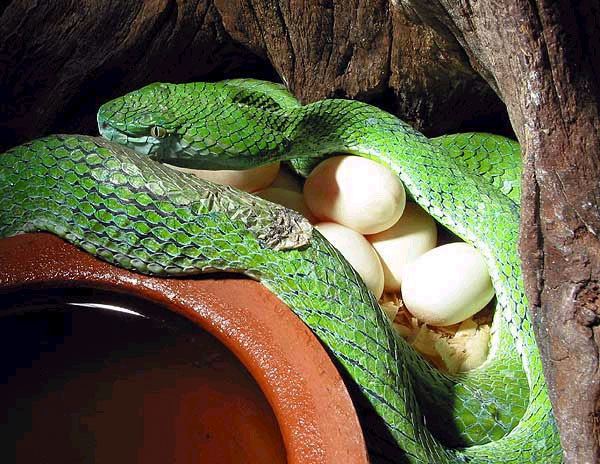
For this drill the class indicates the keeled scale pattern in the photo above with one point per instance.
(494, 157)
(134, 212)
(211, 126)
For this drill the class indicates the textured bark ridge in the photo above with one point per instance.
(441, 65)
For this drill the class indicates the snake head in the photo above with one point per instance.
(141, 120)
(235, 124)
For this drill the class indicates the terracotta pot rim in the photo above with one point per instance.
(314, 412)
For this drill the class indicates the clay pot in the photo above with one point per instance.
(214, 369)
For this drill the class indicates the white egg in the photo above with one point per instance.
(287, 179)
(447, 285)
(355, 192)
(357, 251)
(413, 234)
(249, 180)
(289, 199)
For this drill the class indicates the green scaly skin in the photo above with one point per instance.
(495, 158)
(127, 209)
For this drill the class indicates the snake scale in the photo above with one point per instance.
(112, 197)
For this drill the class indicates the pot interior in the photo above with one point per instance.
(89, 376)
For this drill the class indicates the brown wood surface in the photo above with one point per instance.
(421, 60)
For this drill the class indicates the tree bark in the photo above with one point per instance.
(442, 65)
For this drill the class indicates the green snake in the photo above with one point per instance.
(114, 198)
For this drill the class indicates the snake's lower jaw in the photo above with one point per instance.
(110, 133)
(142, 145)
(168, 150)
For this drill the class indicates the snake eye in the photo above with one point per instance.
(158, 132)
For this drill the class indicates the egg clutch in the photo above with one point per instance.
(430, 289)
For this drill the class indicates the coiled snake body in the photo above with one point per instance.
(123, 206)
